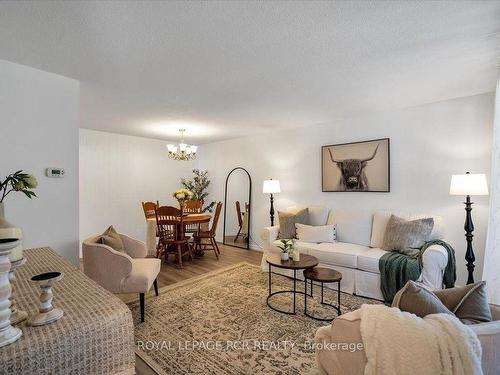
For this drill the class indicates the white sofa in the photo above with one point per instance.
(357, 251)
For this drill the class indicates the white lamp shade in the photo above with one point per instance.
(271, 187)
(468, 184)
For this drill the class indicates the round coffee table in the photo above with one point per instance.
(305, 262)
(322, 275)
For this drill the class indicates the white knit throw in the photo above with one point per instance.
(401, 343)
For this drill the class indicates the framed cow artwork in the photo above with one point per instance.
(357, 166)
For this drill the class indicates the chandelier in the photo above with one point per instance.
(183, 151)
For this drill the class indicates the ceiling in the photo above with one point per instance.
(230, 69)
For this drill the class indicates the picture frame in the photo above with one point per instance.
(362, 166)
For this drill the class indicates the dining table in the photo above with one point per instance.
(201, 219)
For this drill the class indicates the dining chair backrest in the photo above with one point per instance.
(238, 213)
(168, 219)
(149, 209)
(215, 221)
(193, 207)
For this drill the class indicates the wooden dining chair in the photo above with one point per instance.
(209, 235)
(240, 220)
(170, 227)
(149, 209)
(192, 207)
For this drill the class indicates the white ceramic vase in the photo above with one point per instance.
(9, 230)
(284, 256)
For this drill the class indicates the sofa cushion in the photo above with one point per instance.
(318, 233)
(381, 218)
(368, 261)
(318, 215)
(288, 220)
(352, 226)
(338, 253)
(407, 236)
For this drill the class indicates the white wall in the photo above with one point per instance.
(117, 173)
(39, 117)
(428, 144)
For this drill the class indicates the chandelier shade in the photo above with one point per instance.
(182, 151)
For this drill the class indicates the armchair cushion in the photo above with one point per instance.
(416, 299)
(111, 238)
(469, 303)
(144, 272)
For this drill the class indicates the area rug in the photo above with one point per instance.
(220, 324)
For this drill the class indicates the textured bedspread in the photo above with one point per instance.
(95, 335)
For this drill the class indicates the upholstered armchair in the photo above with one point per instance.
(121, 272)
(346, 329)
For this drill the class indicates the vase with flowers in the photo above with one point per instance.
(17, 182)
(183, 196)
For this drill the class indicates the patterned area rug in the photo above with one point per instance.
(220, 324)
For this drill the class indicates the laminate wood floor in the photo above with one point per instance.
(170, 273)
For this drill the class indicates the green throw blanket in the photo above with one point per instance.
(396, 269)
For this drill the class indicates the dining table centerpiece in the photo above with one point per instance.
(183, 196)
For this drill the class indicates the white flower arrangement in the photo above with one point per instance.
(286, 245)
(183, 195)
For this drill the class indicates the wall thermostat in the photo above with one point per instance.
(54, 172)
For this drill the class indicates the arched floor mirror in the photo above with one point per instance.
(237, 208)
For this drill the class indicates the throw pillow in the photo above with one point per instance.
(469, 303)
(288, 220)
(112, 239)
(407, 237)
(418, 300)
(318, 234)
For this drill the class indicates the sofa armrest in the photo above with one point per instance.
(268, 235)
(434, 262)
(105, 266)
(495, 311)
(133, 247)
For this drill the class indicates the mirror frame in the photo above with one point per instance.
(249, 204)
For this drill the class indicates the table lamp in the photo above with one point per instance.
(469, 184)
(271, 187)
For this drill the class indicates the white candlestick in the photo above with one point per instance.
(8, 334)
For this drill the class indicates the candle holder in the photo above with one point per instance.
(8, 334)
(47, 313)
(16, 315)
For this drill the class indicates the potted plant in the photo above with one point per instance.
(199, 186)
(286, 246)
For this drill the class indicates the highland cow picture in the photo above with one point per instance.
(358, 166)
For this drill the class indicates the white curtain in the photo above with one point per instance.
(491, 271)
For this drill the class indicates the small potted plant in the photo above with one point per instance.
(286, 246)
(183, 196)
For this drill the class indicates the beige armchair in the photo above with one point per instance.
(119, 272)
(346, 329)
